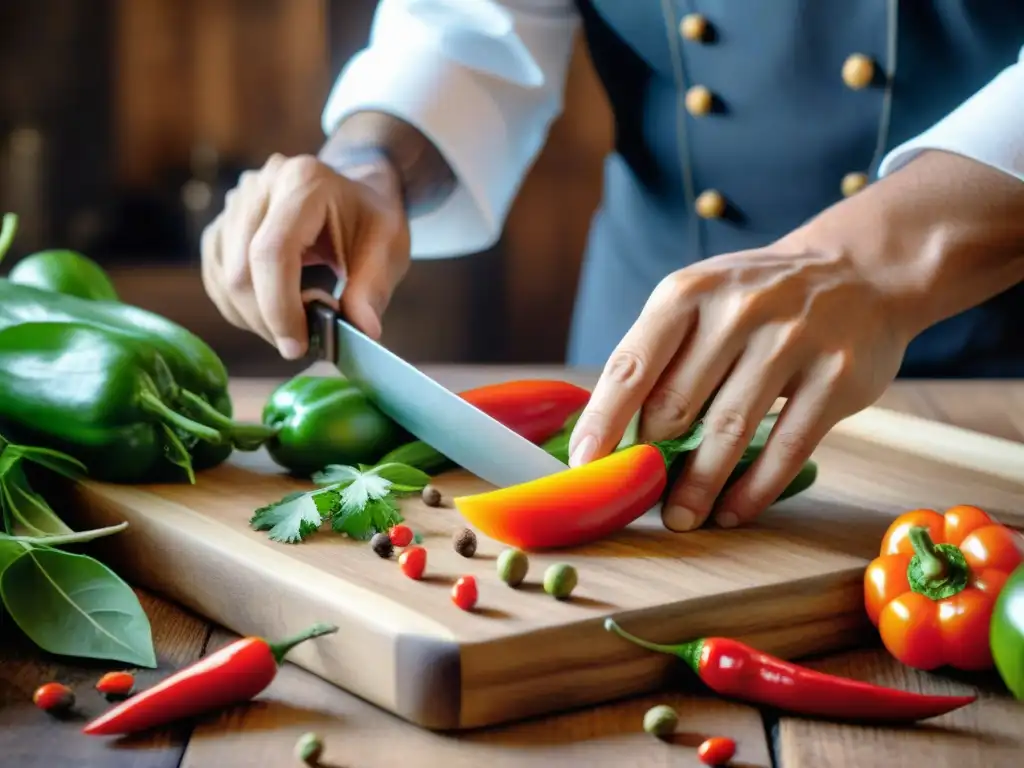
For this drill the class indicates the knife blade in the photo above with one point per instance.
(437, 416)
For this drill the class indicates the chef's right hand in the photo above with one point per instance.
(297, 212)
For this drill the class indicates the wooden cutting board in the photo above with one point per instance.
(790, 585)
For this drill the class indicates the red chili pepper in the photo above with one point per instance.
(232, 675)
(535, 408)
(733, 669)
(578, 505)
(718, 750)
(116, 683)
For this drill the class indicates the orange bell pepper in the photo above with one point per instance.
(932, 589)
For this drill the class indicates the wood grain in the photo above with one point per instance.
(358, 734)
(30, 738)
(790, 584)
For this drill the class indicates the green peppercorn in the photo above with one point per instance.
(560, 580)
(309, 748)
(512, 567)
(382, 545)
(661, 721)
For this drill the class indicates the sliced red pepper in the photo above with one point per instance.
(232, 675)
(533, 408)
(578, 505)
(731, 668)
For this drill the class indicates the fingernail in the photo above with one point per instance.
(583, 452)
(727, 520)
(679, 519)
(290, 349)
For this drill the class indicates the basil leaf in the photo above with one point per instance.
(402, 474)
(29, 513)
(73, 605)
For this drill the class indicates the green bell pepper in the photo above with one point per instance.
(1006, 635)
(321, 420)
(95, 395)
(67, 272)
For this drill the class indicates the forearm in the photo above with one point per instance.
(366, 141)
(939, 236)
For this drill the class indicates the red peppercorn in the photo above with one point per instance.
(717, 750)
(116, 684)
(464, 593)
(413, 561)
(54, 697)
(401, 535)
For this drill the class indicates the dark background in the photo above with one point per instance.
(124, 122)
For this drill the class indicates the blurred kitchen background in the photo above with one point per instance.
(124, 122)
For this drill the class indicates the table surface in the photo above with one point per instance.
(262, 733)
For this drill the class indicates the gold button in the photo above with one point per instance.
(858, 71)
(699, 100)
(693, 27)
(853, 183)
(710, 204)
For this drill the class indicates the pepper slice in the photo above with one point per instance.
(1006, 636)
(932, 590)
(578, 505)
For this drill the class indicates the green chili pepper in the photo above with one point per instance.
(94, 394)
(1006, 635)
(67, 272)
(321, 420)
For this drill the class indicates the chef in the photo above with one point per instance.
(805, 200)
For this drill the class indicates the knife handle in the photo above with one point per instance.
(323, 338)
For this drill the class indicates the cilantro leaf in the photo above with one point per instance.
(375, 516)
(291, 519)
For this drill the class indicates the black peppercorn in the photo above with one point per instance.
(464, 542)
(431, 496)
(382, 545)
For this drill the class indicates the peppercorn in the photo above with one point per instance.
(431, 496)
(382, 545)
(309, 748)
(54, 698)
(661, 721)
(560, 580)
(512, 567)
(464, 542)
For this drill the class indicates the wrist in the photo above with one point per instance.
(937, 237)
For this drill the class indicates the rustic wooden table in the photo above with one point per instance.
(989, 733)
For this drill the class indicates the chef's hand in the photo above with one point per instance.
(743, 329)
(295, 212)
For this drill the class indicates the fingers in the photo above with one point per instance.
(812, 410)
(212, 268)
(375, 268)
(743, 400)
(630, 374)
(292, 224)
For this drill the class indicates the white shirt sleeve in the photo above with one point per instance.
(483, 80)
(988, 127)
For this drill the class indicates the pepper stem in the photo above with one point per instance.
(244, 436)
(688, 652)
(152, 403)
(281, 648)
(672, 449)
(7, 230)
(936, 571)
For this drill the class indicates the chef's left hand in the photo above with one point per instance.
(744, 329)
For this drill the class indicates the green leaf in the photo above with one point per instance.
(291, 519)
(75, 537)
(364, 489)
(402, 474)
(72, 605)
(176, 452)
(29, 514)
(375, 516)
(55, 461)
(335, 473)
(631, 435)
(10, 550)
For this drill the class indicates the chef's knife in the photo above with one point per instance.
(435, 415)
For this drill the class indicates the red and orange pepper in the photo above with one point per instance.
(932, 589)
(578, 505)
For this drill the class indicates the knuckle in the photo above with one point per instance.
(791, 446)
(303, 168)
(274, 161)
(247, 179)
(626, 367)
(670, 405)
(729, 425)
